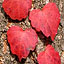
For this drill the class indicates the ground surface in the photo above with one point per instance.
(6, 57)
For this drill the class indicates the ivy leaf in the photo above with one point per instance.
(46, 20)
(17, 9)
(21, 42)
(49, 56)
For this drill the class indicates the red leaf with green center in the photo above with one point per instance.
(46, 20)
(17, 9)
(21, 42)
(49, 56)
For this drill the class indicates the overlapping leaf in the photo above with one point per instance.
(46, 20)
(17, 9)
(21, 42)
(49, 56)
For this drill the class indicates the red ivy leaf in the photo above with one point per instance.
(49, 56)
(21, 42)
(17, 9)
(46, 20)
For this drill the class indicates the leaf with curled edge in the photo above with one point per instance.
(21, 42)
(49, 56)
(17, 9)
(46, 20)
